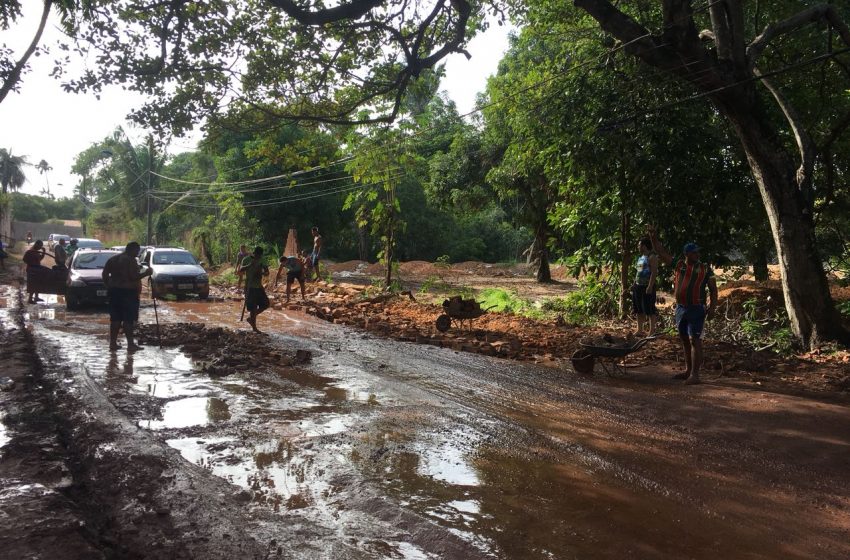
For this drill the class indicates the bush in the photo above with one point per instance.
(498, 299)
(585, 306)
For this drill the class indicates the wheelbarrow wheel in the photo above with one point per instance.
(443, 323)
(583, 361)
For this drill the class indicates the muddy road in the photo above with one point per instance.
(223, 447)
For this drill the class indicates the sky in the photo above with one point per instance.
(43, 122)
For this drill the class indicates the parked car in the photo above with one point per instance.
(53, 239)
(85, 281)
(175, 271)
(89, 243)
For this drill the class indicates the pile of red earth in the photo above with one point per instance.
(508, 336)
(219, 351)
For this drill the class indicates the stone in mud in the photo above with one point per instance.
(303, 356)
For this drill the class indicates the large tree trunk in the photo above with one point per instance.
(542, 255)
(807, 299)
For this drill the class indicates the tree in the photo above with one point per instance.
(12, 175)
(725, 66)
(43, 168)
(287, 58)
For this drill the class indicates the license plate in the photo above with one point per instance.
(184, 286)
(101, 293)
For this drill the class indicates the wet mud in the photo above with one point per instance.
(317, 441)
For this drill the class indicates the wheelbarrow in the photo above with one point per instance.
(609, 351)
(459, 310)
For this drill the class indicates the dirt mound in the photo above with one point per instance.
(347, 266)
(419, 269)
(736, 294)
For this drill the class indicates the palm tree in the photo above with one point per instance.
(12, 175)
(43, 167)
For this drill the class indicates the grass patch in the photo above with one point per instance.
(226, 278)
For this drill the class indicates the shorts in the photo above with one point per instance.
(690, 320)
(314, 260)
(256, 300)
(123, 305)
(643, 302)
(293, 276)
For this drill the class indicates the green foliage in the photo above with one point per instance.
(227, 278)
(499, 299)
(844, 308)
(591, 301)
(762, 328)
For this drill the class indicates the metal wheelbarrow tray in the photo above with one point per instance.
(610, 353)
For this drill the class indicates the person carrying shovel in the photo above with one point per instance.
(256, 300)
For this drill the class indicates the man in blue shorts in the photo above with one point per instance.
(692, 277)
(123, 278)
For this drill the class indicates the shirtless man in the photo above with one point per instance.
(317, 249)
(123, 279)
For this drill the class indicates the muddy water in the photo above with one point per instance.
(384, 450)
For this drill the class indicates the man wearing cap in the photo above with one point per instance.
(692, 277)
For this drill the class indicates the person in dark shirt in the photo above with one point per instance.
(32, 258)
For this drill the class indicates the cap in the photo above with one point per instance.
(691, 248)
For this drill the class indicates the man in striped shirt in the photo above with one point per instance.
(692, 279)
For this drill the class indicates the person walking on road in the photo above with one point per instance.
(317, 250)
(643, 290)
(60, 255)
(691, 279)
(32, 258)
(256, 300)
(122, 276)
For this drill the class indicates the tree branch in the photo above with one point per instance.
(810, 15)
(15, 75)
(352, 10)
(805, 144)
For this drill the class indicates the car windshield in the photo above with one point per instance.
(91, 261)
(173, 257)
(89, 243)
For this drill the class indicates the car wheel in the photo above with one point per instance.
(72, 302)
(204, 295)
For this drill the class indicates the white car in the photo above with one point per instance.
(175, 271)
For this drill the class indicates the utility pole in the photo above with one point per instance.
(150, 166)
